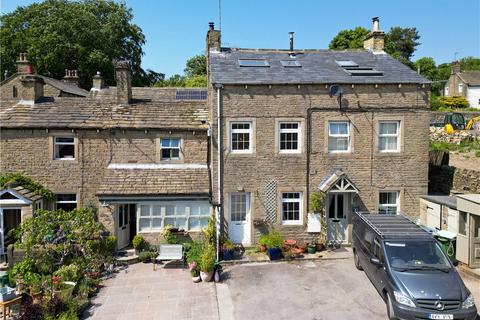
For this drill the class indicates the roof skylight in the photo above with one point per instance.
(290, 63)
(355, 70)
(253, 63)
(346, 63)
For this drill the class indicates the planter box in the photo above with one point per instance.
(274, 253)
(228, 255)
(7, 293)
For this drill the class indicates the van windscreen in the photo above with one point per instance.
(416, 255)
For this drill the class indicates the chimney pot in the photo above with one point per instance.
(456, 67)
(211, 26)
(291, 40)
(123, 77)
(375, 40)
(71, 76)
(23, 65)
(98, 82)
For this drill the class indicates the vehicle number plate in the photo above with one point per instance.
(440, 316)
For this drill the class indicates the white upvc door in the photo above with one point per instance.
(123, 226)
(239, 226)
(337, 223)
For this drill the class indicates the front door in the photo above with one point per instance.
(239, 218)
(474, 241)
(123, 225)
(337, 208)
(10, 219)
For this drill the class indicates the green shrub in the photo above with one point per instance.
(71, 272)
(26, 182)
(145, 256)
(209, 232)
(454, 102)
(194, 251)
(274, 239)
(207, 261)
(110, 244)
(228, 245)
(316, 202)
(168, 235)
(138, 242)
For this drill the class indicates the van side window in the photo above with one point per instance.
(377, 250)
(368, 239)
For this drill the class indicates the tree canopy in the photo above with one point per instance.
(401, 43)
(195, 74)
(62, 34)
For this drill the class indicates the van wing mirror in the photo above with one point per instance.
(376, 261)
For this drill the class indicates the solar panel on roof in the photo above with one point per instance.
(191, 95)
(290, 63)
(346, 63)
(253, 63)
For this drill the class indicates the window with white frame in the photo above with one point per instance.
(64, 148)
(289, 137)
(170, 148)
(446, 91)
(192, 216)
(338, 136)
(291, 207)
(66, 201)
(460, 87)
(239, 206)
(388, 202)
(388, 134)
(241, 137)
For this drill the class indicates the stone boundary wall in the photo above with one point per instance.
(448, 179)
(438, 116)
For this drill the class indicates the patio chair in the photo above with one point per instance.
(169, 252)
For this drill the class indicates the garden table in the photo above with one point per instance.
(6, 305)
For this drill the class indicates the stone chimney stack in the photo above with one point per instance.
(213, 38)
(23, 65)
(123, 76)
(456, 67)
(98, 82)
(32, 89)
(375, 39)
(71, 76)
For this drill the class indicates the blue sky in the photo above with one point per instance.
(175, 30)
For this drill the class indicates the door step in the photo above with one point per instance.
(126, 256)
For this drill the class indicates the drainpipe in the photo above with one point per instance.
(218, 210)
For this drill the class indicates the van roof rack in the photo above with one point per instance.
(393, 225)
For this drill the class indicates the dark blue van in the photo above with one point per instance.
(409, 269)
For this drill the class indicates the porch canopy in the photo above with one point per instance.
(144, 180)
(17, 195)
(337, 182)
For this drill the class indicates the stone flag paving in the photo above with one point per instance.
(140, 293)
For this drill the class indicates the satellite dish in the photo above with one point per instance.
(335, 90)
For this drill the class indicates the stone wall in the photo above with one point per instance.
(448, 179)
(369, 170)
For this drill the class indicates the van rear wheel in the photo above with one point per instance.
(390, 313)
(356, 260)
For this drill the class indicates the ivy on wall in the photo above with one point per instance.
(26, 182)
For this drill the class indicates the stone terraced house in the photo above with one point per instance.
(351, 124)
(136, 155)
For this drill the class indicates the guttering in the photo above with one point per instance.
(218, 210)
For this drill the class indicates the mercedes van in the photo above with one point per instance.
(409, 269)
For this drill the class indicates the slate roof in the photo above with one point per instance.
(24, 192)
(472, 78)
(86, 113)
(154, 182)
(65, 86)
(318, 66)
(449, 201)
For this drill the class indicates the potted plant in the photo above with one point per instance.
(36, 288)
(312, 248)
(62, 289)
(194, 271)
(228, 250)
(262, 242)
(274, 245)
(138, 243)
(207, 263)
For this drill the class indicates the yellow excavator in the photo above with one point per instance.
(455, 121)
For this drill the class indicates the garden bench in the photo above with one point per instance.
(170, 252)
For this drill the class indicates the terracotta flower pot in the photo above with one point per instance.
(262, 247)
(36, 297)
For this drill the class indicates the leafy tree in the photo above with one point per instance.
(196, 66)
(64, 34)
(349, 39)
(427, 67)
(174, 81)
(402, 42)
(469, 63)
(196, 81)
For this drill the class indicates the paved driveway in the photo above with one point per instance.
(306, 290)
(140, 293)
(329, 289)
